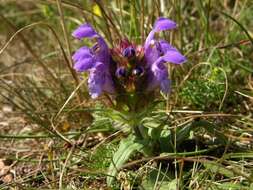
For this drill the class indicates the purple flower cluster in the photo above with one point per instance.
(128, 67)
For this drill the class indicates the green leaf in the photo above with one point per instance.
(230, 186)
(126, 149)
(165, 185)
(209, 127)
(158, 179)
(215, 168)
(183, 134)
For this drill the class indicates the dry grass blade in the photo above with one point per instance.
(69, 57)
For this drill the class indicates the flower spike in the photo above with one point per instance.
(127, 68)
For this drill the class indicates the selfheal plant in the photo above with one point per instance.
(130, 74)
(127, 68)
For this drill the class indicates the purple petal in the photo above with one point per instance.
(174, 56)
(84, 64)
(95, 83)
(95, 89)
(164, 46)
(149, 40)
(156, 50)
(95, 59)
(161, 24)
(164, 24)
(171, 54)
(103, 75)
(99, 81)
(82, 53)
(101, 51)
(158, 76)
(151, 55)
(165, 86)
(84, 31)
(165, 50)
(159, 69)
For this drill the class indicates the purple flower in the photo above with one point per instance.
(157, 53)
(127, 67)
(95, 60)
